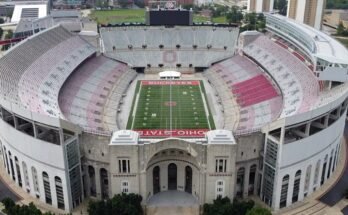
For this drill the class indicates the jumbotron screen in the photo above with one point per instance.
(169, 17)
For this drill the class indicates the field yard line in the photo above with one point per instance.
(179, 108)
(205, 105)
(161, 101)
(136, 105)
(170, 106)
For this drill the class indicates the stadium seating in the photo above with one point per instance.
(97, 82)
(248, 98)
(32, 73)
(180, 40)
(39, 85)
(298, 84)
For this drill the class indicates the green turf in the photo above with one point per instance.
(153, 113)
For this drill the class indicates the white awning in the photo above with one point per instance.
(172, 74)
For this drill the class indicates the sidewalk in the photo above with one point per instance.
(25, 198)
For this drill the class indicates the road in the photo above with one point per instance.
(337, 191)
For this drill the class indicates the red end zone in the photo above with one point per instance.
(169, 82)
(172, 133)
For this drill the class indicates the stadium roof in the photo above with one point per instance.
(29, 11)
(327, 48)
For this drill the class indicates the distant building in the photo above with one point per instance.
(309, 12)
(259, 6)
(70, 19)
(178, 2)
(334, 17)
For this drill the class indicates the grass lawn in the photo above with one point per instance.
(343, 41)
(199, 18)
(118, 16)
(219, 19)
(170, 106)
(136, 15)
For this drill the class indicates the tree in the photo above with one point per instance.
(8, 203)
(2, 21)
(121, 204)
(12, 209)
(259, 211)
(340, 29)
(1, 33)
(8, 36)
(223, 206)
(235, 15)
(282, 6)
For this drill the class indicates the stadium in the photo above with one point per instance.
(194, 110)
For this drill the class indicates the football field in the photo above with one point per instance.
(170, 106)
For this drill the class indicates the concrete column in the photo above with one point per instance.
(308, 126)
(302, 183)
(180, 176)
(246, 181)
(256, 180)
(290, 189)
(143, 182)
(311, 180)
(66, 191)
(277, 193)
(97, 182)
(326, 122)
(53, 191)
(327, 167)
(87, 181)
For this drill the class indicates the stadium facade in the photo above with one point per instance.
(278, 100)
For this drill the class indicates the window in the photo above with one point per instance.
(26, 176)
(59, 192)
(219, 188)
(124, 186)
(220, 164)
(124, 166)
(35, 179)
(47, 188)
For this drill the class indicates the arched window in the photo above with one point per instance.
(47, 188)
(240, 181)
(335, 159)
(35, 180)
(252, 175)
(220, 188)
(18, 171)
(59, 192)
(308, 178)
(5, 158)
(104, 183)
(26, 176)
(12, 166)
(316, 174)
(323, 178)
(188, 179)
(330, 163)
(91, 174)
(172, 176)
(296, 189)
(156, 180)
(284, 191)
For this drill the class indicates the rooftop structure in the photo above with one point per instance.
(309, 12)
(260, 6)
